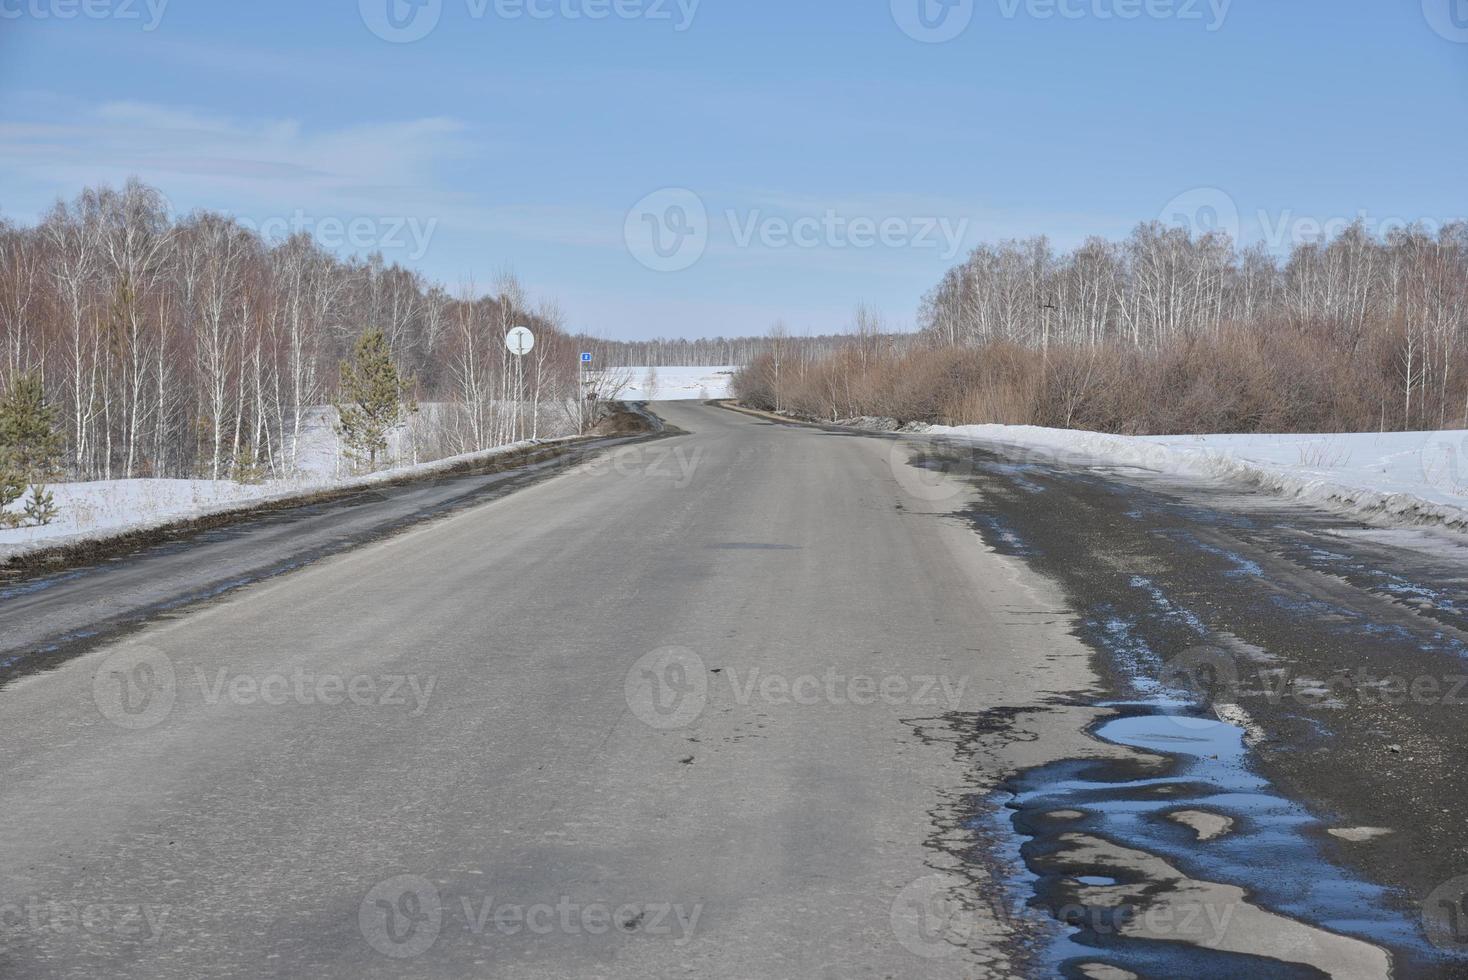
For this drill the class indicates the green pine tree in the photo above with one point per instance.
(374, 399)
(30, 446)
(40, 506)
(11, 488)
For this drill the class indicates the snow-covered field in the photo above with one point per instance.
(678, 383)
(1404, 477)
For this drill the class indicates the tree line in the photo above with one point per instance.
(1168, 331)
(190, 347)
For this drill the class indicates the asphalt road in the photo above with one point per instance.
(659, 714)
(748, 700)
(45, 618)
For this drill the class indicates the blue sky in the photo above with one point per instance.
(501, 140)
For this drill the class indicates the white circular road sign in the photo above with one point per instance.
(520, 341)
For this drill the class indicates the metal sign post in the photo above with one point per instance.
(520, 341)
(581, 393)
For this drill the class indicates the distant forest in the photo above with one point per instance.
(1164, 332)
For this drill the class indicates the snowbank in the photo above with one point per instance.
(1405, 477)
(677, 383)
(90, 511)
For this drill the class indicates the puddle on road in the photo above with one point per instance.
(1101, 848)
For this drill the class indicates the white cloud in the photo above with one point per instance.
(233, 164)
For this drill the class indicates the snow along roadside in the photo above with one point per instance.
(1407, 478)
(223, 498)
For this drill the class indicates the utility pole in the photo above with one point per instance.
(1046, 309)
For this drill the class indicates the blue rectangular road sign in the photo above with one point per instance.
(585, 358)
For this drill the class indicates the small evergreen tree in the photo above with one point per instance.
(11, 489)
(30, 445)
(40, 507)
(374, 399)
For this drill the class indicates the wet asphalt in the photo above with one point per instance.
(1340, 648)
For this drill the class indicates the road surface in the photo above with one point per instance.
(653, 716)
(755, 700)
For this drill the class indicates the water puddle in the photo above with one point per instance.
(1184, 862)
